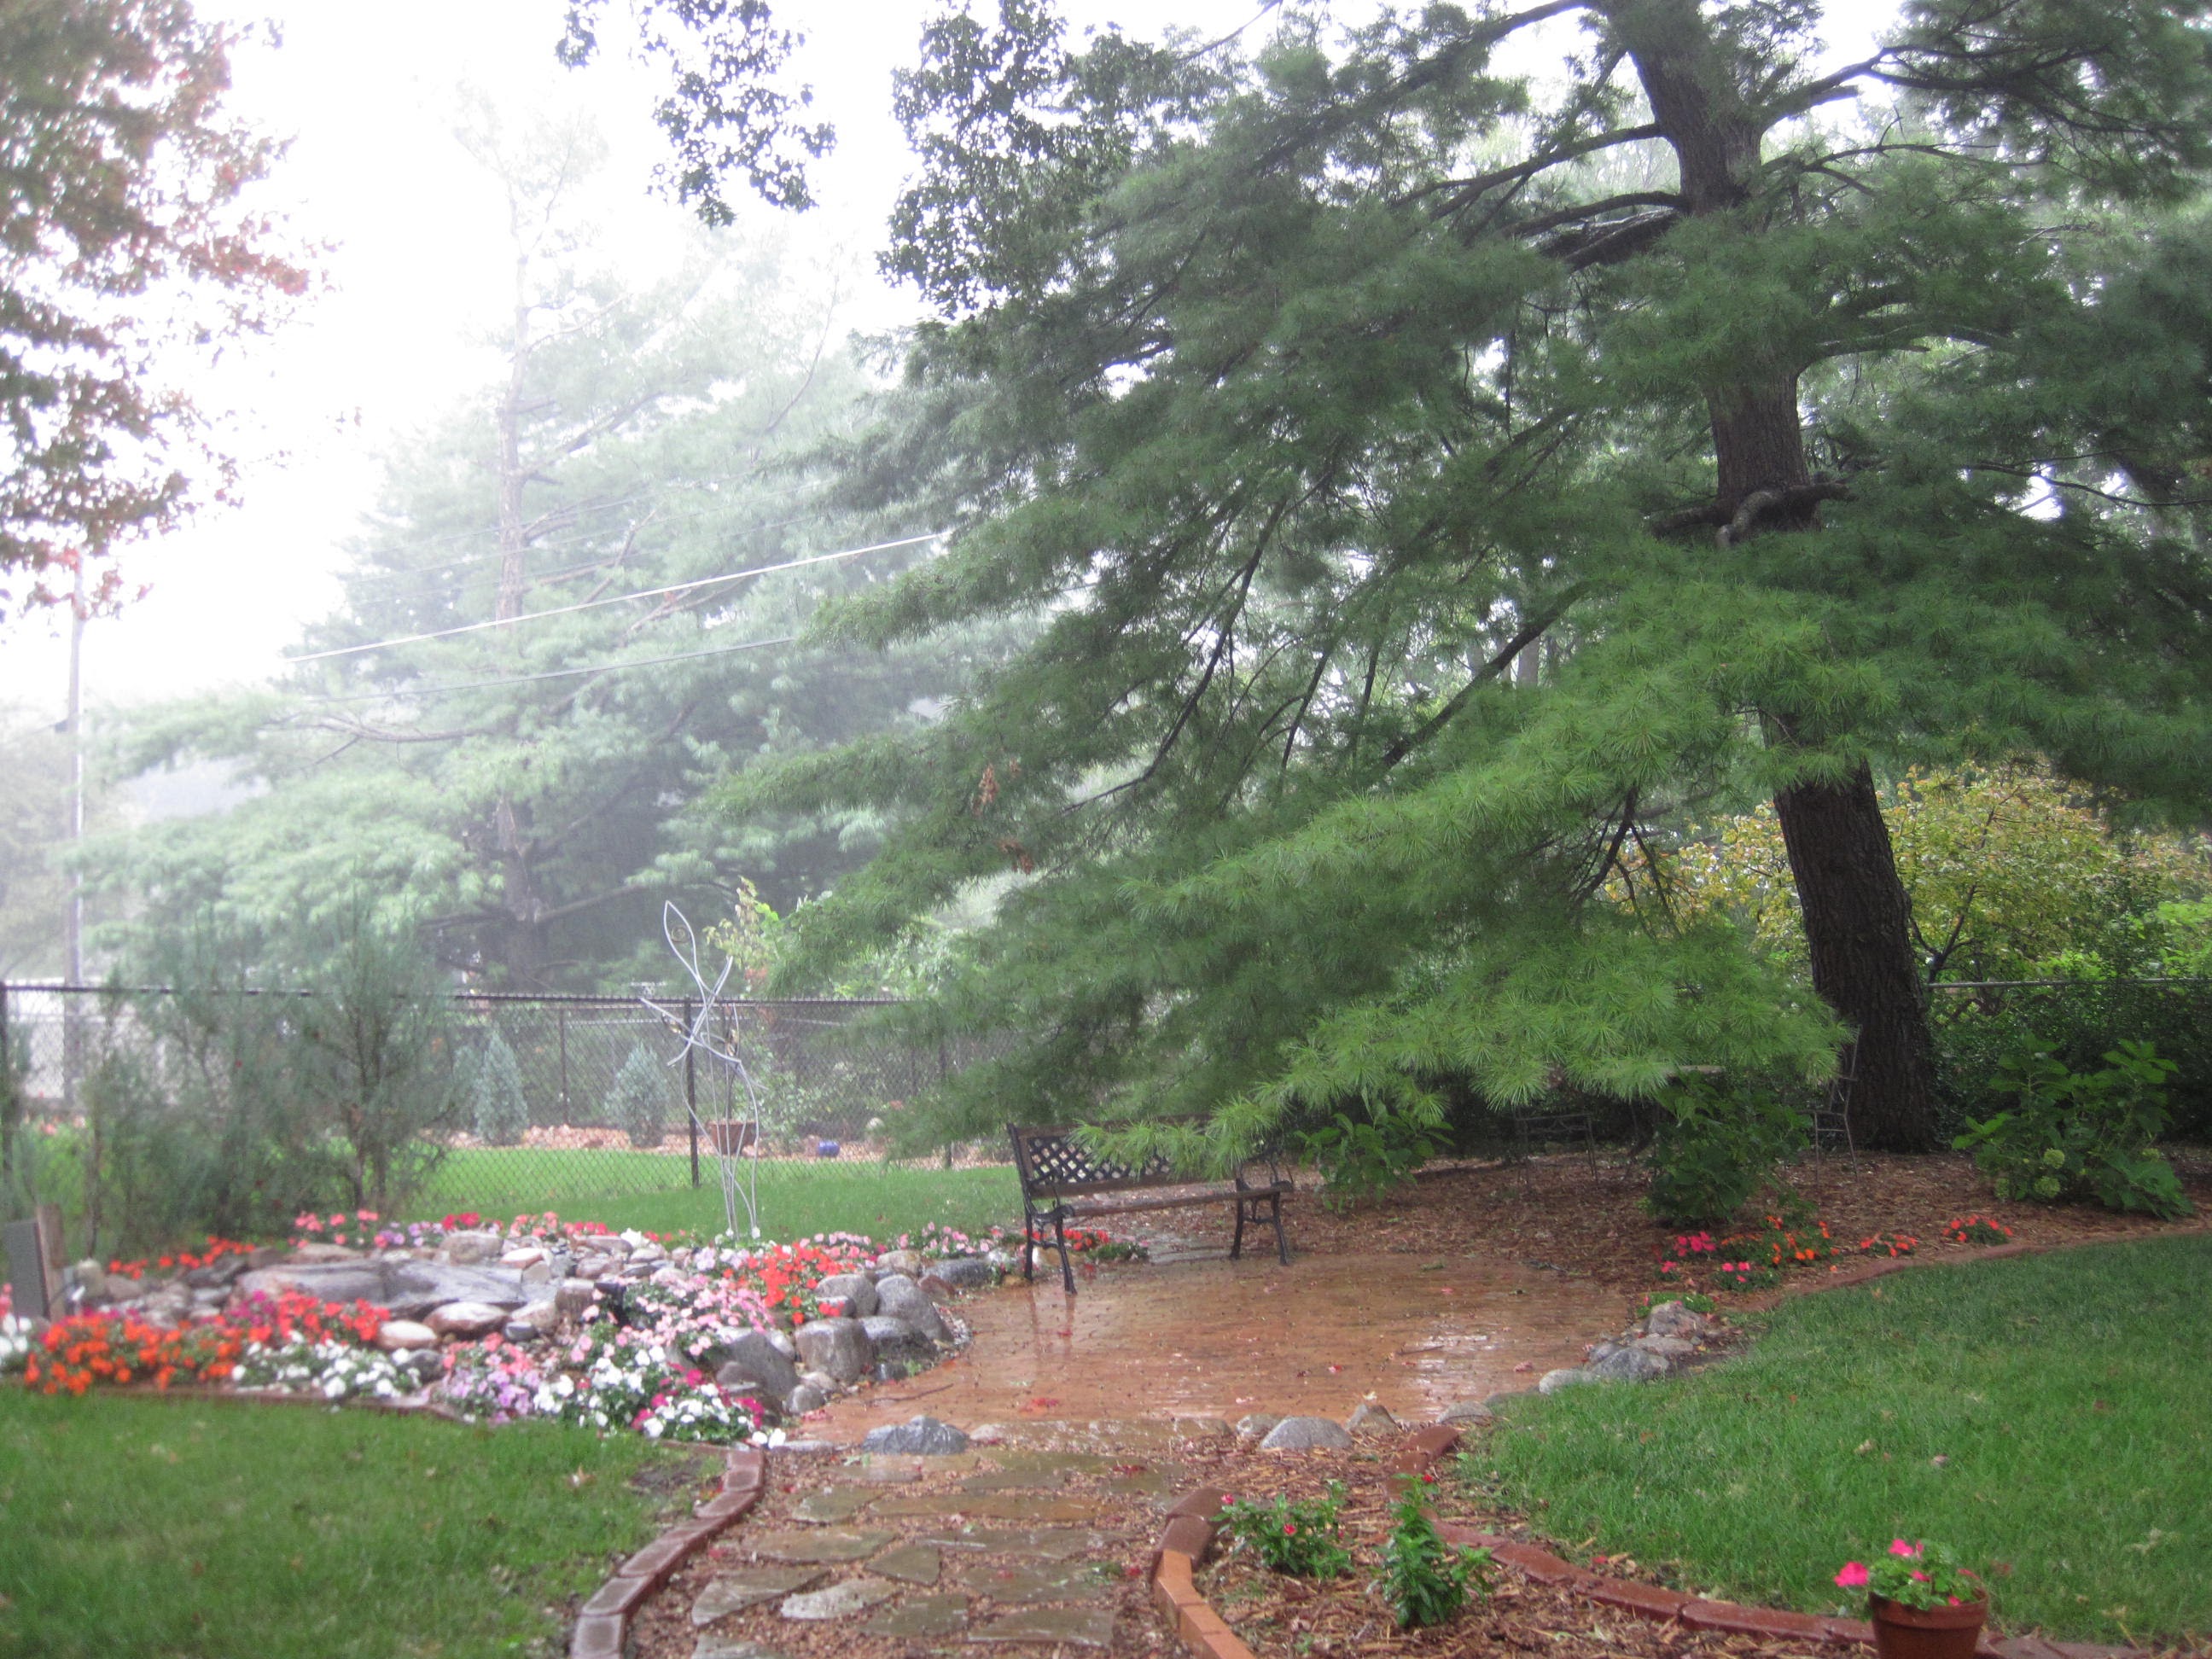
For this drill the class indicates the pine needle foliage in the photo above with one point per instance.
(1429, 484)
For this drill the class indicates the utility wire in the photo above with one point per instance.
(617, 598)
(552, 674)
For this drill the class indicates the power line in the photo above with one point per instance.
(553, 674)
(618, 598)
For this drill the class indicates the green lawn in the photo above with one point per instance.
(2068, 1394)
(796, 1197)
(133, 1526)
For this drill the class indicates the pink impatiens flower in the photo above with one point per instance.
(1898, 1547)
(1853, 1577)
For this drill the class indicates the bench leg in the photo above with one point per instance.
(1236, 1244)
(1029, 1249)
(1282, 1244)
(1066, 1272)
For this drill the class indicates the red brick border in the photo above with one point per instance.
(603, 1623)
(1189, 1533)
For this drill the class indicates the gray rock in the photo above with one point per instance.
(1567, 1377)
(839, 1346)
(397, 1335)
(408, 1288)
(1667, 1347)
(965, 1273)
(1306, 1434)
(841, 1601)
(900, 1298)
(856, 1290)
(781, 1342)
(216, 1274)
(466, 1318)
(908, 1263)
(751, 1361)
(733, 1592)
(804, 1399)
(472, 1250)
(1465, 1411)
(1371, 1419)
(1631, 1365)
(899, 1343)
(1673, 1319)
(573, 1296)
(1602, 1350)
(537, 1273)
(1256, 1426)
(711, 1647)
(820, 1381)
(516, 1330)
(924, 1436)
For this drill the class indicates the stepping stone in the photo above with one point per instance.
(833, 1505)
(711, 1647)
(1148, 1485)
(1049, 1543)
(1089, 1627)
(1003, 1506)
(884, 1471)
(733, 1592)
(817, 1546)
(910, 1563)
(1066, 1462)
(1201, 1428)
(1015, 1481)
(1017, 1583)
(841, 1601)
(920, 1615)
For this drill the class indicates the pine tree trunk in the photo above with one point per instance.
(1858, 927)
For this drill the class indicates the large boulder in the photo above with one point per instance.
(965, 1273)
(752, 1362)
(856, 1290)
(1306, 1434)
(1567, 1377)
(1673, 1319)
(466, 1319)
(910, 1262)
(899, 1342)
(900, 1298)
(1630, 1365)
(408, 1288)
(472, 1249)
(839, 1346)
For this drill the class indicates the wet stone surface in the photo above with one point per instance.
(826, 1545)
(910, 1563)
(1089, 1627)
(1050, 1544)
(733, 1592)
(833, 1505)
(989, 1506)
(841, 1601)
(711, 1647)
(921, 1616)
(1021, 1582)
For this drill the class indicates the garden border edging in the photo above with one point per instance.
(602, 1628)
(1189, 1538)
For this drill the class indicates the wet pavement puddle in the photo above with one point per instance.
(1193, 1337)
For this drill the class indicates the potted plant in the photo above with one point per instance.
(1922, 1604)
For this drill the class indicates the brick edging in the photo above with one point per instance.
(1189, 1533)
(603, 1622)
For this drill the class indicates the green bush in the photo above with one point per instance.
(2082, 1134)
(2075, 1023)
(495, 1098)
(1716, 1145)
(1303, 1538)
(1425, 1580)
(639, 1105)
(1366, 1159)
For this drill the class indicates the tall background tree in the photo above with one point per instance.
(1807, 419)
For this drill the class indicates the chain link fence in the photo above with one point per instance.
(597, 1096)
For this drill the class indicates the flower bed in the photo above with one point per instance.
(1759, 1259)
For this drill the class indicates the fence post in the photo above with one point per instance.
(941, 1070)
(690, 1092)
(11, 1105)
(561, 1026)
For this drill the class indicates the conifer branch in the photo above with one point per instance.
(1530, 633)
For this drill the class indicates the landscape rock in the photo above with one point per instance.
(525, 1255)
(906, 1262)
(924, 1436)
(1567, 1377)
(1371, 1419)
(965, 1273)
(466, 1318)
(516, 1330)
(406, 1287)
(399, 1336)
(1256, 1426)
(898, 1343)
(751, 1361)
(733, 1592)
(1465, 1411)
(804, 1399)
(1630, 1365)
(1673, 1319)
(470, 1250)
(780, 1340)
(841, 1601)
(900, 1298)
(1306, 1434)
(573, 1296)
(838, 1346)
(313, 1253)
(1668, 1348)
(856, 1290)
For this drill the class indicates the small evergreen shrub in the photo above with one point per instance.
(639, 1105)
(2082, 1134)
(495, 1098)
(1715, 1147)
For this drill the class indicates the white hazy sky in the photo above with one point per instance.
(417, 269)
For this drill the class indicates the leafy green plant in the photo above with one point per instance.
(1362, 1160)
(1716, 1145)
(2082, 1134)
(639, 1104)
(496, 1103)
(1303, 1538)
(1423, 1578)
(1913, 1574)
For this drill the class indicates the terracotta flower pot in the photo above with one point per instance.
(732, 1135)
(1903, 1632)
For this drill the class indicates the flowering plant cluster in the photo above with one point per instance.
(1889, 1245)
(334, 1370)
(1757, 1260)
(356, 1231)
(261, 1318)
(1914, 1574)
(87, 1348)
(693, 1314)
(182, 1262)
(15, 1338)
(1303, 1538)
(1976, 1230)
(496, 1380)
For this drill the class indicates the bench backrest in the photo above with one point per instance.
(1055, 1160)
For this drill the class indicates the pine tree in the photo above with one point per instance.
(639, 1104)
(497, 1106)
(1317, 398)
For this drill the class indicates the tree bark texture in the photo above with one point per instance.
(1858, 927)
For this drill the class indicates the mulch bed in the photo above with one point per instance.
(1553, 1212)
